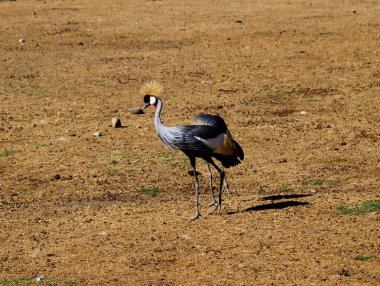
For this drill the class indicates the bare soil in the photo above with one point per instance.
(298, 83)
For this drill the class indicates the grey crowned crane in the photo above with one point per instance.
(208, 138)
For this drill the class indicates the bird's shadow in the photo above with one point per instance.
(277, 205)
(284, 197)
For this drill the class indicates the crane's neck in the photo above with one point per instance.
(157, 116)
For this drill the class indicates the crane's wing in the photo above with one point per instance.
(229, 145)
(189, 138)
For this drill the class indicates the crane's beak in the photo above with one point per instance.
(145, 105)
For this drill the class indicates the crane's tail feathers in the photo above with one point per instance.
(239, 150)
(226, 160)
(211, 120)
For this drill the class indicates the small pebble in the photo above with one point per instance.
(116, 123)
(103, 233)
(97, 134)
(57, 177)
(40, 278)
(303, 113)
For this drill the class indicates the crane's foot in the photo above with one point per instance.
(218, 208)
(198, 215)
(214, 203)
(227, 188)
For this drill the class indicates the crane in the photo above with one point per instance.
(208, 138)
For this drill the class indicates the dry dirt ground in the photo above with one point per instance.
(298, 83)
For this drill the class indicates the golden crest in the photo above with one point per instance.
(151, 88)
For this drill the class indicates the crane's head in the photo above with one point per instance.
(151, 90)
(150, 100)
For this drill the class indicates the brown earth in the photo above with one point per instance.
(70, 203)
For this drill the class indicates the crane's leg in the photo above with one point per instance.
(225, 185)
(197, 213)
(218, 207)
(213, 201)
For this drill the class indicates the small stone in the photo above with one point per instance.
(136, 110)
(283, 160)
(312, 191)
(116, 123)
(104, 233)
(97, 134)
(343, 272)
(303, 113)
(57, 177)
(21, 40)
(40, 278)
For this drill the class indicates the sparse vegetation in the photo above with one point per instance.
(32, 281)
(150, 191)
(16, 282)
(372, 206)
(6, 153)
(257, 269)
(323, 183)
(363, 258)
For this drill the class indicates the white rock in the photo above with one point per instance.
(97, 134)
(303, 113)
(40, 278)
(116, 123)
(103, 233)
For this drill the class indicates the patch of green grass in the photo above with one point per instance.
(263, 32)
(29, 281)
(364, 258)
(46, 93)
(99, 82)
(16, 282)
(257, 269)
(365, 207)
(323, 183)
(317, 182)
(6, 153)
(326, 34)
(312, 100)
(150, 191)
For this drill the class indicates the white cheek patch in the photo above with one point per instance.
(153, 100)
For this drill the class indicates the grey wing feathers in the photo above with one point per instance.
(184, 137)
